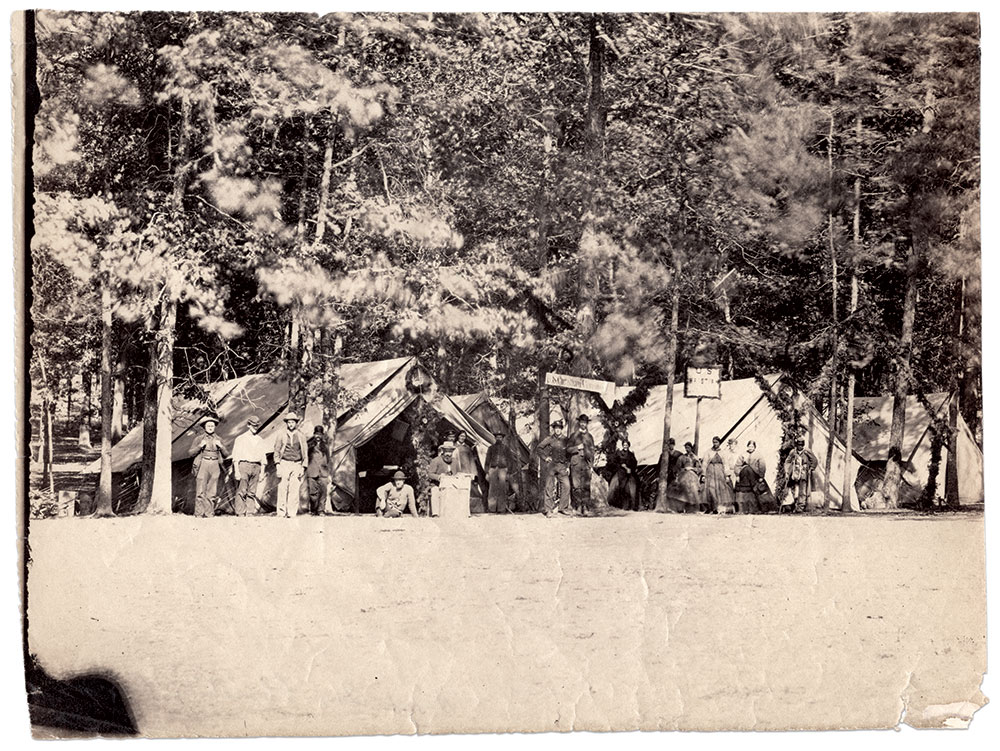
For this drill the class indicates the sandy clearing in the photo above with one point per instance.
(363, 625)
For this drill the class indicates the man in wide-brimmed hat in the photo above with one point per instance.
(249, 461)
(395, 498)
(291, 457)
(208, 458)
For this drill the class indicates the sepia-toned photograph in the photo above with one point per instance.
(390, 373)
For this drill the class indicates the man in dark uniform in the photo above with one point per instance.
(555, 472)
(318, 471)
(207, 467)
(497, 464)
(581, 450)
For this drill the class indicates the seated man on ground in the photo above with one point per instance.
(395, 498)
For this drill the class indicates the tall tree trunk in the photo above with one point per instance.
(86, 406)
(845, 505)
(45, 429)
(156, 488)
(827, 484)
(894, 468)
(300, 227)
(543, 406)
(162, 487)
(117, 404)
(951, 468)
(588, 284)
(330, 344)
(103, 506)
(324, 186)
(49, 410)
(148, 429)
(671, 366)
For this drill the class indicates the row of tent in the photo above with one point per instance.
(381, 392)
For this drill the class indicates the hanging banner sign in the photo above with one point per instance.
(703, 383)
(605, 389)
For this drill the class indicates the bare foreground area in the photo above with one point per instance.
(361, 625)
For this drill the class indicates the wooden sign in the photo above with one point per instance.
(605, 389)
(703, 383)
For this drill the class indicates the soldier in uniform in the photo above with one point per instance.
(207, 467)
(555, 472)
(497, 464)
(580, 448)
(318, 471)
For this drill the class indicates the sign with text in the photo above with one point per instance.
(606, 389)
(703, 383)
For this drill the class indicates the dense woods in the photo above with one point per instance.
(609, 196)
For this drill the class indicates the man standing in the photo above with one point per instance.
(291, 455)
(207, 467)
(555, 472)
(318, 471)
(580, 447)
(440, 466)
(497, 464)
(799, 465)
(395, 498)
(249, 460)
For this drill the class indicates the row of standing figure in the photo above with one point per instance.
(295, 459)
(720, 482)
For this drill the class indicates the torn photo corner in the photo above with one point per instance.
(419, 373)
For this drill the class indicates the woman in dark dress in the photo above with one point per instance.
(750, 482)
(623, 490)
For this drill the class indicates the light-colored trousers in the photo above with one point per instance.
(289, 482)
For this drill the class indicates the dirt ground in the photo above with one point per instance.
(363, 625)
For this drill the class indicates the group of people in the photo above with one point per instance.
(722, 481)
(295, 458)
(726, 482)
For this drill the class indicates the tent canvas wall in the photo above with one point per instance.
(743, 413)
(485, 410)
(490, 415)
(377, 394)
(872, 424)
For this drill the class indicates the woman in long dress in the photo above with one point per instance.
(750, 481)
(718, 491)
(623, 490)
(687, 485)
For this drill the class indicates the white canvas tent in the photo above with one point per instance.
(378, 392)
(743, 413)
(872, 423)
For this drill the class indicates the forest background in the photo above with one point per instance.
(612, 196)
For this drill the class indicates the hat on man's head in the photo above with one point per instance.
(318, 430)
(557, 424)
(290, 416)
(253, 421)
(448, 446)
(210, 418)
(800, 441)
(398, 475)
(583, 418)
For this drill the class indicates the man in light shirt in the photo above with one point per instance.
(395, 498)
(249, 461)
